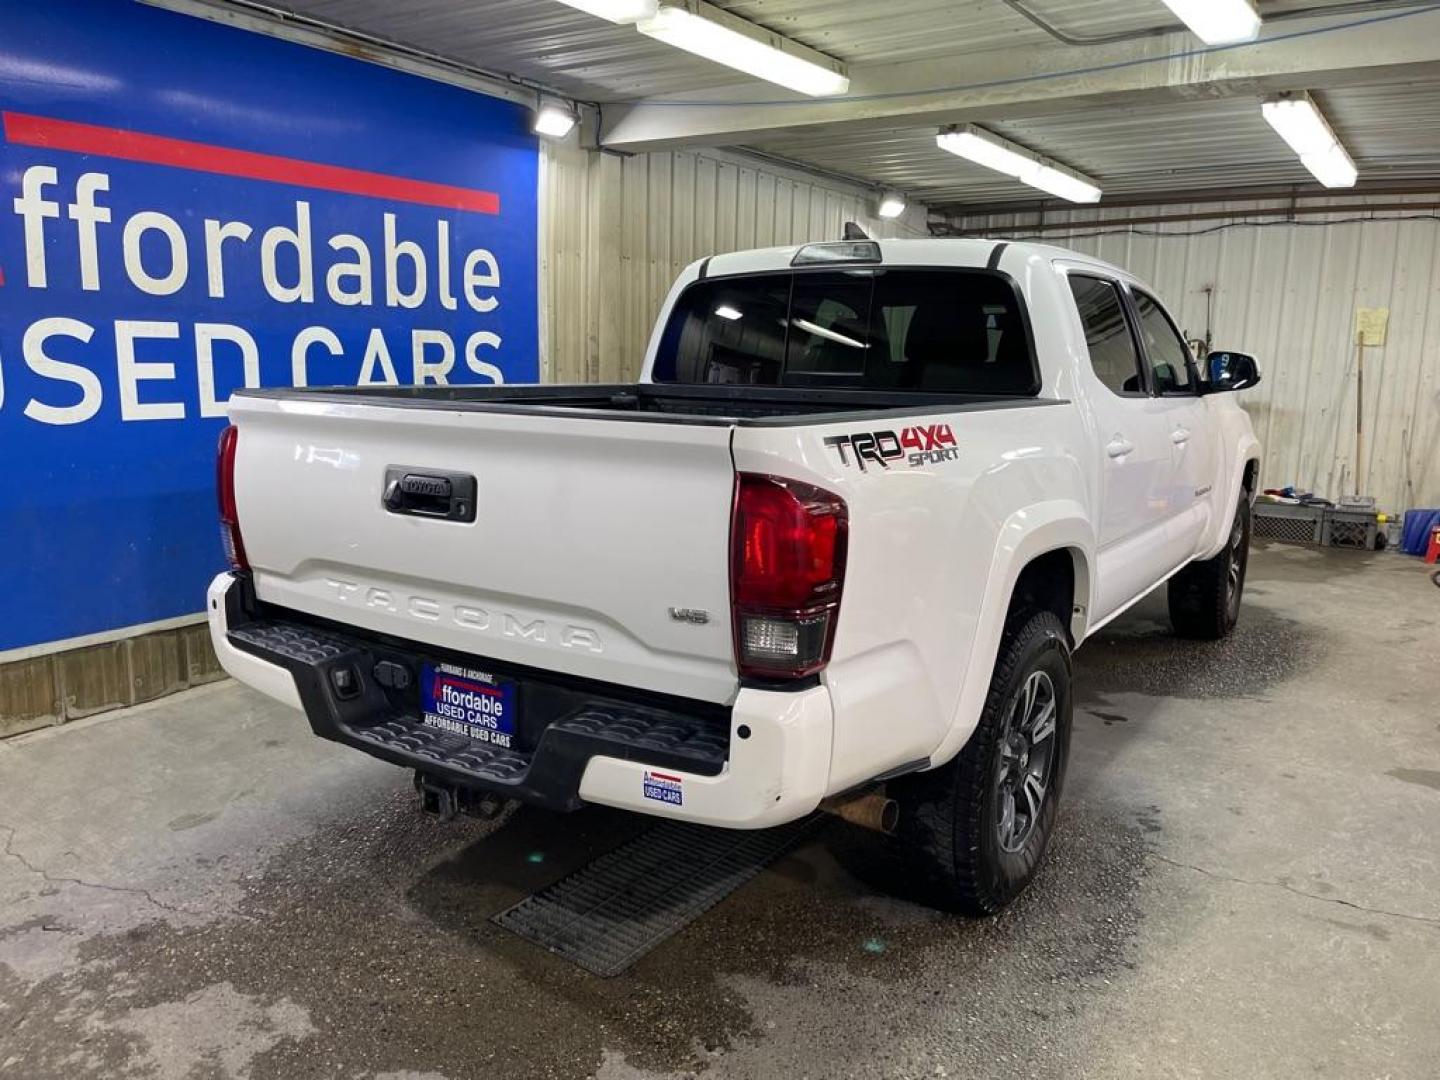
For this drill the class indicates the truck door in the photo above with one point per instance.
(1136, 457)
(1187, 427)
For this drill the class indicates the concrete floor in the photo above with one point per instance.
(1246, 883)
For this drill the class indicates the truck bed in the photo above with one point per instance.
(572, 521)
(693, 404)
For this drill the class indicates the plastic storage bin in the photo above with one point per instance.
(1349, 529)
(1287, 522)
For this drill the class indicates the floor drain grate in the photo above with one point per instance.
(607, 915)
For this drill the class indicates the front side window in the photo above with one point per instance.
(925, 330)
(1113, 355)
(1168, 354)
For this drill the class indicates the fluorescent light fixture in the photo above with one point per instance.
(554, 121)
(1333, 167)
(709, 32)
(1061, 184)
(892, 205)
(617, 11)
(725, 311)
(1218, 22)
(980, 146)
(1304, 128)
(985, 149)
(1299, 123)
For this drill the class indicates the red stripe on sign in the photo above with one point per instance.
(52, 134)
(450, 680)
(663, 776)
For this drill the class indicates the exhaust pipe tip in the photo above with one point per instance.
(869, 810)
(887, 817)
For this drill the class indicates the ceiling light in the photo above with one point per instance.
(1299, 123)
(725, 311)
(1218, 22)
(617, 11)
(1304, 128)
(978, 145)
(1334, 167)
(554, 121)
(892, 205)
(706, 31)
(1061, 183)
(983, 149)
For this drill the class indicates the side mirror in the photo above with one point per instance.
(1230, 371)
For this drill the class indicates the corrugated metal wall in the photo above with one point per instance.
(615, 231)
(1288, 292)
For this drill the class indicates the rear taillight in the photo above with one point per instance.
(225, 490)
(787, 569)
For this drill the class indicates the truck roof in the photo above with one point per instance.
(929, 251)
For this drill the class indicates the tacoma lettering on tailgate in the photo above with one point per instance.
(468, 617)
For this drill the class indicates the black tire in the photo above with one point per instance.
(952, 819)
(1205, 596)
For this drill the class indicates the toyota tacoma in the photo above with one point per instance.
(835, 548)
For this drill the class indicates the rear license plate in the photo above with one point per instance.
(471, 703)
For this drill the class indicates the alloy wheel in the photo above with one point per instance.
(1026, 765)
(1235, 567)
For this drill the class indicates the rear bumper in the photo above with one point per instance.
(764, 761)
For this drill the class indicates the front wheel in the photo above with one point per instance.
(974, 831)
(1205, 596)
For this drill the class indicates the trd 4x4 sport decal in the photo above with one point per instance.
(918, 446)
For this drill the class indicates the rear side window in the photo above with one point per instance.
(1113, 355)
(955, 331)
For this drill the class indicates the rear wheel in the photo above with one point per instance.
(976, 829)
(1205, 596)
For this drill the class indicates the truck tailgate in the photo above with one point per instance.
(587, 532)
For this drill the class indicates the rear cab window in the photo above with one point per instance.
(929, 330)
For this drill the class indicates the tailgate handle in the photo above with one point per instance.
(429, 493)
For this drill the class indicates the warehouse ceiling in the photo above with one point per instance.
(1140, 110)
(1393, 131)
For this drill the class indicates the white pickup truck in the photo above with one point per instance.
(840, 540)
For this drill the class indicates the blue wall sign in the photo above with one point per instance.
(187, 208)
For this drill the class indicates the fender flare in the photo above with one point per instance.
(1247, 449)
(1032, 531)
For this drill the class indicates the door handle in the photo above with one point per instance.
(1119, 446)
(1180, 436)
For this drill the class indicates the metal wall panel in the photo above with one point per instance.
(615, 232)
(1288, 292)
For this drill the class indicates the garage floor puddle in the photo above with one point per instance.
(368, 948)
(1141, 655)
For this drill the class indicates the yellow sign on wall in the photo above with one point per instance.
(1371, 324)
